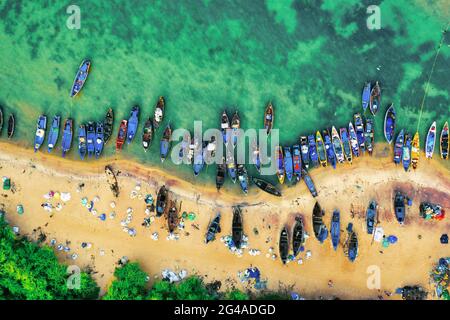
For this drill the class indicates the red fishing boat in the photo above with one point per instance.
(122, 134)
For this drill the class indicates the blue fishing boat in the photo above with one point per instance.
(256, 159)
(365, 98)
(309, 183)
(335, 229)
(359, 127)
(82, 148)
(213, 229)
(305, 151)
(375, 98)
(243, 178)
(319, 228)
(66, 142)
(280, 164)
(225, 127)
(430, 141)
(164, 146)
(399, 206)
(389, 124)
(297, 162)
(40, 132)
(231, 165)
(331, 156)
(353, 140)
(53, 133)
(199, 160)
(288, 165)
(133, 122)
(369, 135)
(81, 77)
(346, 144)
(352, 252)
(313, 151)
(90, 138)
(370, 216)
(99, 139)
(235, 126)
(406, 154)
(398, 148)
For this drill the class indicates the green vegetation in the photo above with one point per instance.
(130, 283)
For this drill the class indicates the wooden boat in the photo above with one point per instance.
(280, 164)
(266, 186)
(415, 150)
(133, 122)
(225, 126)
(210, 150)
(352, 252)
(320, 230)
(172, 217)
(159, 112)
(297, 162)
(370, 216)
(90, 138)
(375, 98)
(40, 132)
(309, 183)
(353, 140)
(288, 164)
(256, 160)
(431, 141)
(108, 124)
(321, 149)
(164, 147)
(365, 97)
(369, 136)
(67, 135)
(231, 166)
(220, 176)
(337, 145)
(346, 144)
(444, 145)
(213, 229)
(298, 235)
(162, 200)
(99, 139)
(335, 229)
(398, 147)
(268, 118)
(11, 126)
(53, 133)
(331, 156)
(147, 134)
(284, 245)
(313, 151)
(82, 146)
(1, 120)
(199, 160)
(399, 206)
(389, 124)
(359, 128)
(235, 126)
(237, 231)
(121, 134)
(406, 153)
(183, 154)
(112, 181)
(304, 151)
(242, 177)
(81, 77)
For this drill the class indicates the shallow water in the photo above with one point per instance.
(309, 58)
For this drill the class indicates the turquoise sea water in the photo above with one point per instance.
(310, 58)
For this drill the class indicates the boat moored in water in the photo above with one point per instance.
(313, 151)
(353, 140)
(365, 97)
(40, 132)
(415, 150)
(147, 134)
(11, 126)
(389, 124)
(297, 162)
(280, 164)
(359, 128)
(304, 151)
(431, 141)
(346, 144)
(375, 98)
(369, 136)
(53, 133)
(398, 147)
(67, 135)
(99, 139)
(235, 126)
(337, 145)
(256, 160)
(121, 135)
(266, 186)
(81, 77)
(133, 122)
(225, 126)
(159, 112)
(288, 164)
(108, 124)
(82, 145)
(164, 147)
(268, 118)
(331, 155)
(406, 153)
(90, 138)
(443, 142)
(242, 177)
(321, 149)
(220, 175)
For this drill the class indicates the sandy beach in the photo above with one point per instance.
(348, 188)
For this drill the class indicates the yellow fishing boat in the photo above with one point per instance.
(415, 150)
(280, 164)
(321, 149)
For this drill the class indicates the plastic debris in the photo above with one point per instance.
(102, 217)
(16, 230)
(6, 183)
(378, 235)
(392, 239)
(155, 236)
(20, 209)
(430, 211)
(66, 196)
(444, 239)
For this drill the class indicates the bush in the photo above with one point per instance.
(130, 283)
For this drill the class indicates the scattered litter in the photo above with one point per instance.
(20, 209)
(430, 211)
(172, 276)
(412, 293)
(52, 242)
(102, 217)
(378, 235)
(74, 256)
(440, 276)
(15, 230)
(65, 196)
(112, 204)
(444, 239)
(308, 254)
(155, 236)
(252, 275)
(6, 183)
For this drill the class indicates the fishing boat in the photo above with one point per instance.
(164, 146)
(235, 126)
(321, 149)
(159, 112)
(266, 186)
(431, 141)
(121, 134)
(313, 151)
(389, 124)
(1, 120)
(297, 162)
(331, 156)
(199, 160)
(40, 132)
(11, 126)
(346, 144)
(398, 147)
(67, 135)
(444, 145)
(108, 124)
(415, 150)
(399, 205)
(183, 154)
(369, 136)
(309, 183)
(335, 229)
(406, 153)
(365, 97)
(352, 246)
(288, 164)
(162, 199)
(280, 164)
(256, 160)
(213, 229)
(99, 139)
(225, 126)
(242, 177)
(298, 235)
(220, 175)
(284, 245)
(147, 134)
(231, 166)
(337, 145)
(359, 127)
(132, 124)
(375, 98)
(82, 147)
(172, 217)
(320, 230)
(370, 216)
(237, 231)
(81, 77)
(268, 118)
(90, 138)
(210, 150)
(53, 133)
(353, 140)
(304, 151)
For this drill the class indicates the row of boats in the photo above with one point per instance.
(11, 124)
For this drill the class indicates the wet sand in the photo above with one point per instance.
(348, 188)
